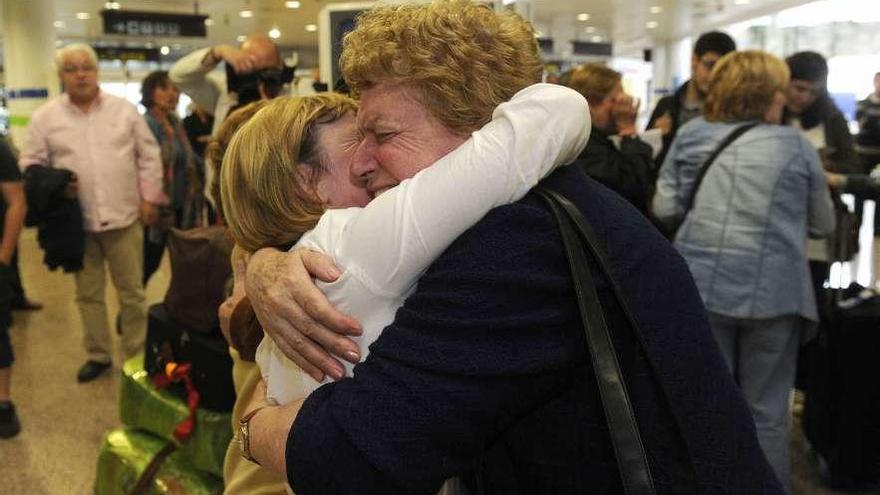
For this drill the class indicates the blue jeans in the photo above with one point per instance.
(762, 355)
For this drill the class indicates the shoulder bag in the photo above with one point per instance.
(579, 238)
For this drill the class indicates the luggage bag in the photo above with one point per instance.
(841, 417)
(160, 412)
(171, 342)
(127, 453)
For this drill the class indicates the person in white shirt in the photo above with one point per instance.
(383, 248)
(194, 74)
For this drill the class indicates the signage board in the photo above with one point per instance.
(588, 48)
(154, 24)
(126, 54)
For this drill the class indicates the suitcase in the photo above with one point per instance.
(159, 412)
(125, 455)
(169, 341)
(842, 408)
(841, 417)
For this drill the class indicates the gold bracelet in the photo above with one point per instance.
(244, 438)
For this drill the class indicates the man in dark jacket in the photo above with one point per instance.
(627, 168)
(674, 111)
(810, 108)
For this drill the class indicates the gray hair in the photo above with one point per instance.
(63, 53)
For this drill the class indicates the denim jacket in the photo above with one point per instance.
(745, 238)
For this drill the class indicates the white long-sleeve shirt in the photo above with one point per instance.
(207, 89)
(195, 76)
(385, 247)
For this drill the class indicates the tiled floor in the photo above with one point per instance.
(64, 422)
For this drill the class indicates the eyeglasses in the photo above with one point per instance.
(73, 69)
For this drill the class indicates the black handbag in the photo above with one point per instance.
(578, 238)
(169, 341)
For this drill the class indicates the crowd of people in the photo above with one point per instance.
(420, 329)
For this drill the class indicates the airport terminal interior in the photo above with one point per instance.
(182, 182)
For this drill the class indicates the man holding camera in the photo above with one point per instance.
(193, 75)
(254, 72)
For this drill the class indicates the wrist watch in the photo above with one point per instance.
(244, 435)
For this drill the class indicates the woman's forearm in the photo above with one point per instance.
(269, 430)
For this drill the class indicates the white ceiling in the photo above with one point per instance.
(620, 21)
(626, 22)
(227, 23)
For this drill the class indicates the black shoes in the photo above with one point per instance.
(9, 425)
(91, 370)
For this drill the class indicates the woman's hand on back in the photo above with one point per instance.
(295, 313)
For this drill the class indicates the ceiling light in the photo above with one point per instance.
(589, 29)
(596, 39)
(112, 5)
(209, 22)
(311, 28)
(652, 24)
(83, 16)
(292, 5)
(241, 38)
(246, 14)
(742, 2)
(164, 50)
(274, 33)
(656, 9)
(59, 24)
(583, 17)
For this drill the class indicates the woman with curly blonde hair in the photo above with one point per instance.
(285, 181)
(484, 369)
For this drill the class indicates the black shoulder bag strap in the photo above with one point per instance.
(733, 136)
(632, 460)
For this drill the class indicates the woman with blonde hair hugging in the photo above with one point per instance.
(285, 180)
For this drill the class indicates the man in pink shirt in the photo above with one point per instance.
(103, 140)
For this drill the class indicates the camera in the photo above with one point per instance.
(246, 86)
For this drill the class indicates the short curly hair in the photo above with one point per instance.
(267, 198)
(464, 59)
(743, 85)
